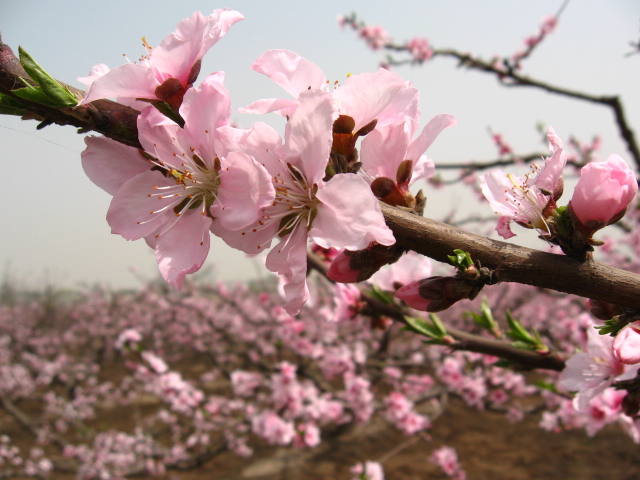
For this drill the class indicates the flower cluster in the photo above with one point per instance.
(196, 173)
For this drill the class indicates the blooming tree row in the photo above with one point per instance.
(338, 180)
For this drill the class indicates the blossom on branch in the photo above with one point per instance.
(603, 194)
(171, 194)
(166, 72)
(305, 205)
(529, 201)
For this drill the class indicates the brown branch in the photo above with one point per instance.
(464, 340)
(511, 78)
(111, 119)
(512, 263)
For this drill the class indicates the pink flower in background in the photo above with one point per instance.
(590, 372)
(626, 344)
(169, 70)
(420, 49)
(603, 193)
(376, 36)
(171, 195)
(526, 201)
(447, 459)
(368, 471)
(273, 428)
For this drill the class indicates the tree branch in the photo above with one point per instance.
(433, 239)
(512, 263)
(464, 340)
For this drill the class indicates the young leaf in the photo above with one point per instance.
(59, 95)
(418, 325)
(11, 106)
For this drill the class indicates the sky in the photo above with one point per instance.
(53, 218)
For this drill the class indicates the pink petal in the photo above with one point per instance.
(252, 240)
(289, 70)
(245, 188)
(96, 72)
(430, 132)
(384, 149)
(423, 169)
(350, 221)
(504, 228)
(308, 134)
(626, 345)
(284, 107)
(158, 136)
(110, 164)
(410, 294)
(193, 37)
(184, 247)
(289, 259)
(204, 109)
(131, 213)
(131, 80)
(366, 95)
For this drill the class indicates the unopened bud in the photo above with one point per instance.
(603, 310)
(352, 267)
(435, 294)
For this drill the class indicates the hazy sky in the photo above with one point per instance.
(53, 217)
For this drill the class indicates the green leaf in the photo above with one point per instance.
(381, 295)
(58, 94)
(485, 319)
(11, 106)
(461, 259)
(517, 331)
(168, 112)
(35, 95)
(437, 323)
(418, 325)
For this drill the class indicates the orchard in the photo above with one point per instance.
(375, 313)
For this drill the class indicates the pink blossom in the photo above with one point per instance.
(168, 71)
(368, 471)
(244, 383)
(589, 373)
(171, 195)
(270, 426)
(308, 435)
(603, 193)
(420, 49)
(434, 294)
(447, 459)
(156, 363)
(385, 148)
(366, 97)
(306, 206)
(626, 344)
(376, 37)
(527, 201)
(410, 268)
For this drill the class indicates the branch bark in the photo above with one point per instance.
(512, 263)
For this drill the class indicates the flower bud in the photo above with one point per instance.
(435, 294)
(353, 267)
(603, 194)
(626, 345)
(340, 271)
(603, 310)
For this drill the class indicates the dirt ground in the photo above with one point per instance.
(488, 445)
